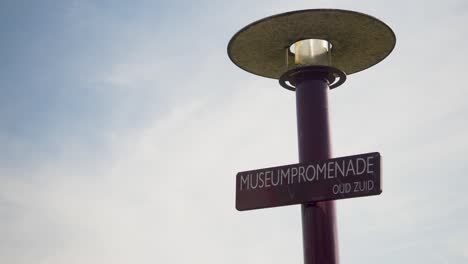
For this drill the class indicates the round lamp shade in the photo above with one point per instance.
(358, 41)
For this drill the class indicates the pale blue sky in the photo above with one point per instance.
(124, 123)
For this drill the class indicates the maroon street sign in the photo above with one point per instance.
(332, 179)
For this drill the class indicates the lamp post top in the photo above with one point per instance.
(358, 41)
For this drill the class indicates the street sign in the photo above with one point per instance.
(332, 179)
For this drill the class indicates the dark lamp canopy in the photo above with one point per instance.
(358, 41)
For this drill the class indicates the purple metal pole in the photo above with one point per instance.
(320, 240)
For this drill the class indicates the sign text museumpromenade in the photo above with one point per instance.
(331, 179)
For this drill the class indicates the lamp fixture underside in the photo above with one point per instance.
(358, 41)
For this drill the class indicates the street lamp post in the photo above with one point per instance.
(311, 52)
